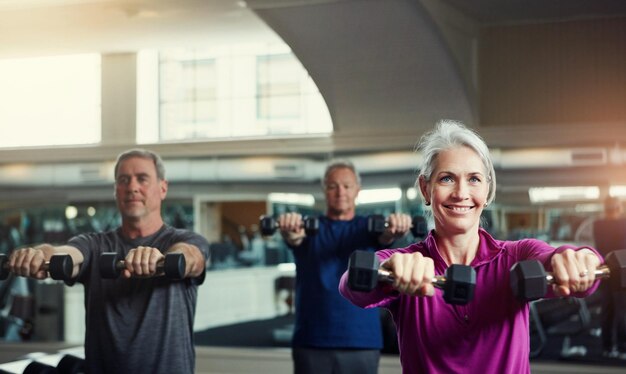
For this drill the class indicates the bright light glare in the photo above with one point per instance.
(71, 212)
(411, 193)
(588, 208)
(292, 198)
(91, 211)
(50, 101)
(286, 267)
(617, 191)
(554, 194)
(379, 195)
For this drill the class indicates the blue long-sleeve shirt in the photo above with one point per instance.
(324, 319)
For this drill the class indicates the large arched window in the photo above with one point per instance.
(225, 93)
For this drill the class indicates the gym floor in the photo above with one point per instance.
(263, 347)
(266, 334)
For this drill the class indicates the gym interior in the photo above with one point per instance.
(247, 101)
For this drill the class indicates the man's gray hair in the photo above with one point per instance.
(340, 164)
(142, 153)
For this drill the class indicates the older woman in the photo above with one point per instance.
(490, 334)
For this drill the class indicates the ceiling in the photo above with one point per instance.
(53, 27)
(516, 11)
(48, 27)
(387, 69)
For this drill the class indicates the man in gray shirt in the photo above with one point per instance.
(139, 322)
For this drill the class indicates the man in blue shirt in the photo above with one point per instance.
(332, 335)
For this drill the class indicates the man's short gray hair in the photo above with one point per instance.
(142, 153)
(340, 164)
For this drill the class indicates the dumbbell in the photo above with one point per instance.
(36, 367)
(60, 267)
(364, 273)
(112, 264)
(69, 364)
(377, 223)
(269, 225)
(530, 281)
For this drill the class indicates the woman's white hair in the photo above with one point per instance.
(449, 134)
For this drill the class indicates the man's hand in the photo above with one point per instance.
(142, 262)
(398, 226)
(291, 228)
(28, 262)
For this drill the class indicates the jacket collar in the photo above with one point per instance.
(488, 249)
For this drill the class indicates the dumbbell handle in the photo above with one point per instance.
(160, 265)
(44, 267)
(276, 225)
(387, 224)
(437, 281)
(600, 272)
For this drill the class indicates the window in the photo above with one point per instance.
(188, 97)
(50, 101)
(226, 93)
(278, 87)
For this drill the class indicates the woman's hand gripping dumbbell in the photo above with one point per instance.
(530, 281)
(365, 272)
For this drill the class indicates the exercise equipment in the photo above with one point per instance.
(530, 281)
(60, 267)
(172, 265)
(36, 367)
(377, 223)
(69, 364)
(364, 274)
(269, 225)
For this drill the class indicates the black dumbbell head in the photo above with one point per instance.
(419, 227)
(4, 267)
(460, 284)
(61, 267)
(174, 265)
(39, 368)
(616, 261)
(71, 364)
(108, 265)
(528, 280)
(311, 225)
(376, 223)
(267, 225)
(363, 271)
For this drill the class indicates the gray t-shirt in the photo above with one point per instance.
(138, 325)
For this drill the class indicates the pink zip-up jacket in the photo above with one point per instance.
(488, 335)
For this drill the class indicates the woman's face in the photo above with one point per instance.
(457, 191)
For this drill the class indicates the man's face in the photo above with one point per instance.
(341, 190)
(138, 191)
